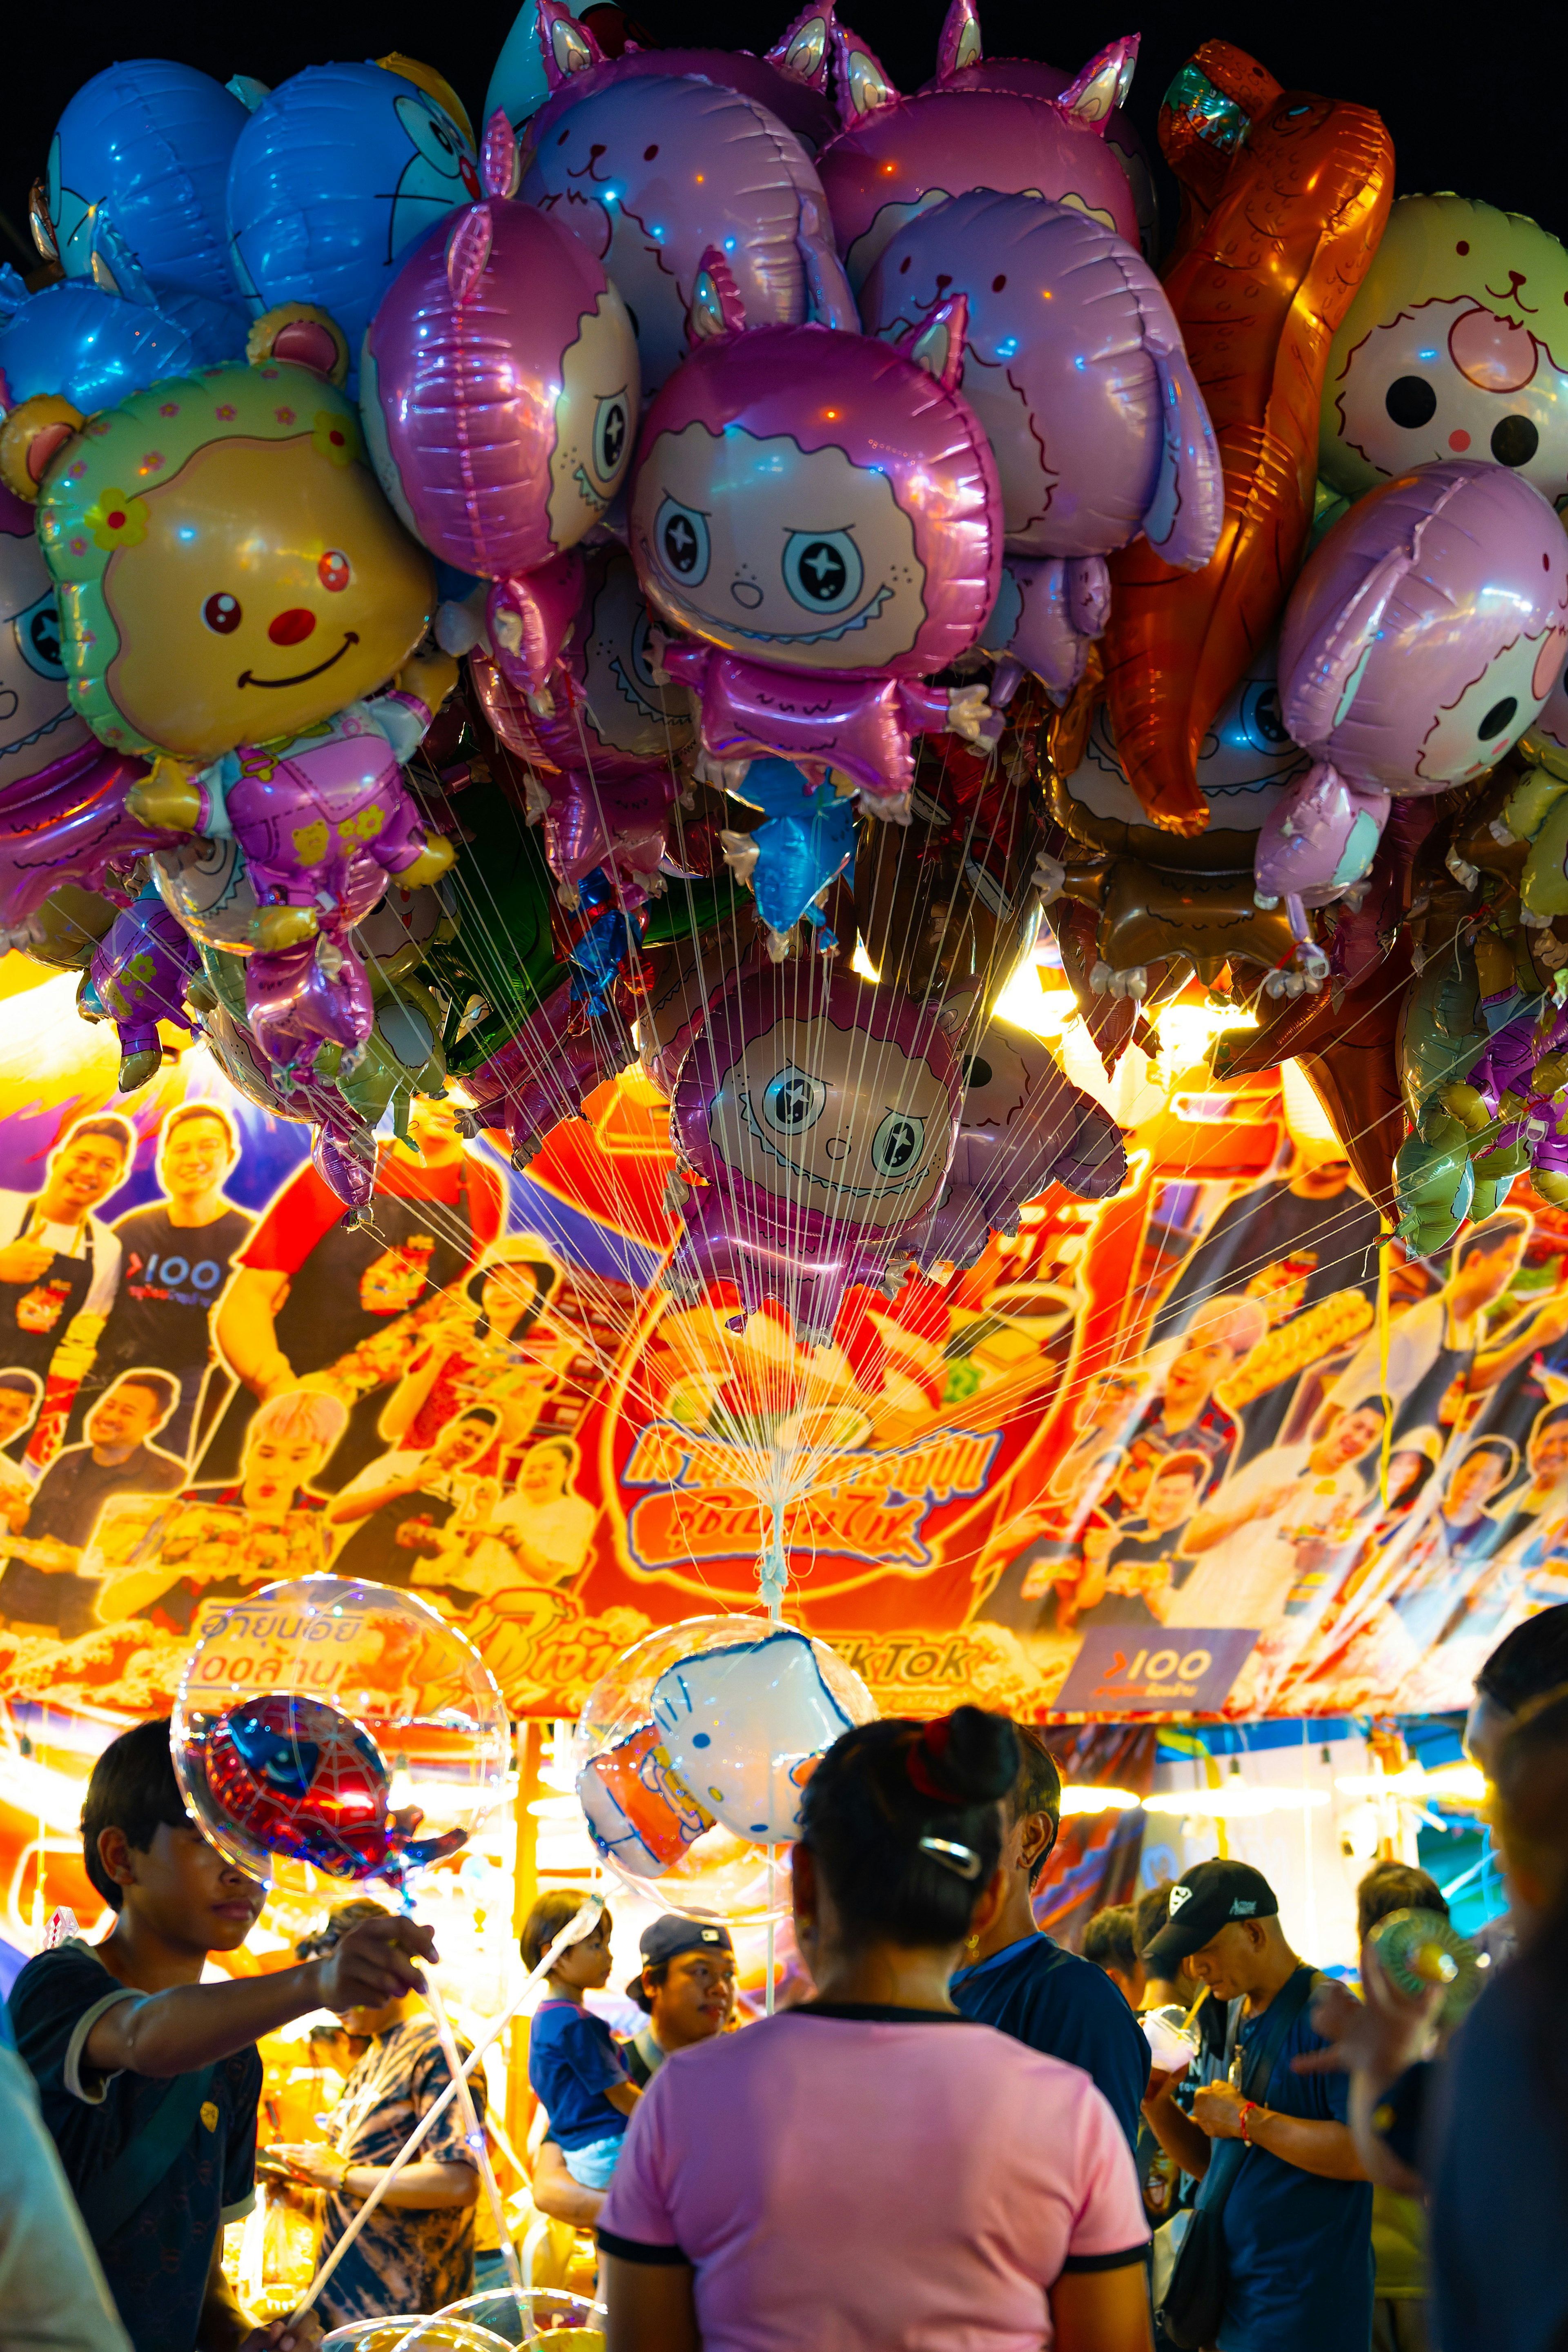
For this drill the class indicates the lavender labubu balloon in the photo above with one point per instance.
(500, 391)
(897, 156)
(820, 1114)
(550, 57)
(962, 66)
(1424, 636)
(822, 513)
(1073, 362)
(138, 978)
(649, 173)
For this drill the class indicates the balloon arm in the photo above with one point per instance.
(582, 1924)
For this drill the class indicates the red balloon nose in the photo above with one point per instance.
(291, 628)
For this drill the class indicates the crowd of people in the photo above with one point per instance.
(960, 2135)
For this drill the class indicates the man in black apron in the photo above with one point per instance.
(308, 1291)
(58, 1259)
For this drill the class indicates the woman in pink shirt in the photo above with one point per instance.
(872, 2172)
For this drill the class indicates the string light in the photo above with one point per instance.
(1454, 1784)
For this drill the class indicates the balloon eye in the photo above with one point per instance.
(1260, 719)
(332, 571)
(223, 615)
(39, 637)
(681, 535)
(822, 570)
(792, 1101)
(895, 1146)
(650, 153)
(610, 437)
(1500, 716)
(1410, 402)
(1514, 441)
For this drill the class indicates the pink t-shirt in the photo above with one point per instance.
(856, 2183)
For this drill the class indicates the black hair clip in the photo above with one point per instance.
(962, 1860)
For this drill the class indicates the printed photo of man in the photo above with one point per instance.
(40, 1589)
(58, 1257)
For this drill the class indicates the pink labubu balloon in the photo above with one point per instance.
(820, 1115)
(820, 511)
(1074, 363)
(1421, 640)
(500, 393)
(959, 65)
(899, 155)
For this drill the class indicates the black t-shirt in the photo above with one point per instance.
(169, 1279)
(68, 1498)
(157, 2262)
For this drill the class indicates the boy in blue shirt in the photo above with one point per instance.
(1023, 1982)
(575, 2069)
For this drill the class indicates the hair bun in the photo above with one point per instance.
(967, 1758)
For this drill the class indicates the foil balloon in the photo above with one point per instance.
(1536, 810)
(339, 169)
(254, 579)
(615, 167)
(39, 725)
(77, 340)
(299, 1705)
(550, 58)
(1024, 1128)
(1285, 196)
(819, 1114)
(743, 1726)
(1158, 894)
(137, 978)
(748, 1708)
(1073, 363)
(1448, 351)
(897, 156)
(500, 399)
(146, 145)
(1423, 637)
(1441, 1035)
(820, 511)
(961, 65)
(806, 841)
(541, 1071)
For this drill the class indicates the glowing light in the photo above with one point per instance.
(1237, 1800)
(1187, 1032)
(861, 962)
(1305, 1116)
(1099, 1801)
(1457, 1784)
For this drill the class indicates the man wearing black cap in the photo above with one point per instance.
(687, 1986)
(1023, 1982)
(1296, 2220)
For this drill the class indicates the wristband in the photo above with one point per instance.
(1248, 2107)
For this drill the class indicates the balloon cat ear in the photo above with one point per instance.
(865, 85)
(960, 44)
(1186, 512)
(115, 268)
(716, 305)
(937, 343)
(829, 302)
(804, 53)
(302, 335)
(1103, 84)
(567, 47)
(31, 437)
(468, 250)
(501, 169)
(1326, 674)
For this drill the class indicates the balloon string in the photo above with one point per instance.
(474, 2130)
(1387, 1447)
(583, 1922)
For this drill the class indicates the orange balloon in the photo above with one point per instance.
(1269, 258)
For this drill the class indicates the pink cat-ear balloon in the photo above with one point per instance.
(820, 512)
(1073, 363)
(898, 156)
(1424, 636)
(500, 389)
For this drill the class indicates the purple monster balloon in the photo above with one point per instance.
(820, 1114)
(791, 80)
(618, 168)
(1073, 363)
(138, 978)
(499, 388)
(823, 513)
(1422, 638)
(1025, 1127)
(898, 156)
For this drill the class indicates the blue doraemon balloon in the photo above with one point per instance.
(91, 346)
(334, 176)
(807, 842)
(148, 144)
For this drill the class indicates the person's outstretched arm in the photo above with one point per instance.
(164, 2034)
(652, 2309)
(1100, 2311)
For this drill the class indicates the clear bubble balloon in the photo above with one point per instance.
(444, 2332)
(691, 1754)
(568, 2323)
(341, 1724)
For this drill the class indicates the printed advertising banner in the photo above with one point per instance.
(1205, 1447)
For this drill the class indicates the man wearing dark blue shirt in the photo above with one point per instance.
(1296, 2225)
(1023, 1982)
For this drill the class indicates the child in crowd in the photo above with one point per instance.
(148, 2078)
(577, 2074)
